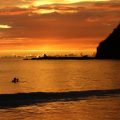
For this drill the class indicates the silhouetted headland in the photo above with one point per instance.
(110, 47)
(19, 99)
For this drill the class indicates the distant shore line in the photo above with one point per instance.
(67, 58)
(60, 58)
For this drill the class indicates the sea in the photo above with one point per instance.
(61, 76)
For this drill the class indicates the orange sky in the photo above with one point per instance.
(55, 26)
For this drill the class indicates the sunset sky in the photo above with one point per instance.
(55, 26)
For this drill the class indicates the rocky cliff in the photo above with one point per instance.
(110, 47)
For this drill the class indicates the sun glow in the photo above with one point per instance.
(48, 2)
(5, 26)
(43, 11)
(38, 3)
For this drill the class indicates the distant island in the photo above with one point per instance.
(46, 57)
(107, 49)
(110, 47)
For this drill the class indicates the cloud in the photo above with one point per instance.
(14, 3)
(4, 26)
(57, 23)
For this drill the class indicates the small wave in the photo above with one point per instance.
(19, 99)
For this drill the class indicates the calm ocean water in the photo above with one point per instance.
(62, 76)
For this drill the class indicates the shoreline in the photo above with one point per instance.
(69, 58)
